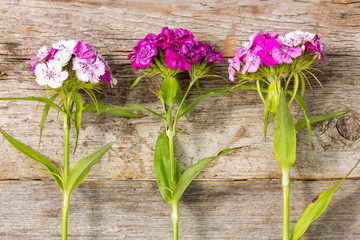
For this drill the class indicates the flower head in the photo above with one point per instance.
(69, 60)
(269, 49)
(178, 48)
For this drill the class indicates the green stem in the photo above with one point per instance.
(66, 145)
(66, 196)
(175, 218)
(182, 103)
(286, 189)
(65, 209)
(171, 134)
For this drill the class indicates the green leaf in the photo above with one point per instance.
(154, 71)
(316, 207)
(162, 167)
(83, 166)
(37, 99)
(44, 116)
(138, 79)
(284, 135)
(181, 131)
(178, 102)
(307, 120)
(119, 111)
(189, 175)
(189, 107)
(77, 115)
(170, 87)
(301, 124)
(35, 156)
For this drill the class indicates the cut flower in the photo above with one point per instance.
(176, 49)
(65, 56)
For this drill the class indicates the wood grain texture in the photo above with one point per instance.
(113, 27)
(114, 209)
(209, 210)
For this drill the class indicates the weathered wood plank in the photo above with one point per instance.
(209, 210)
(113, 27)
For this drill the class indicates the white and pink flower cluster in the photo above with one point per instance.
(50, 66)
(272, 49)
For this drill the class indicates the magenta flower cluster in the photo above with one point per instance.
(271, 49)
(179, 48)
(49, 66)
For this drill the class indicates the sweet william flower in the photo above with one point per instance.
(83, 50)
(175, 60)
(208, 52)
(50, 74)
(285, 54)
(143, 55)
(42, 53)
(89, 70)
(177, 48)
(271, 49)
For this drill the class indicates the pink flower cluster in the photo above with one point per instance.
(49, 65)
(271, 49)
(179, 47)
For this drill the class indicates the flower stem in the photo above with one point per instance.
(66, 195)
(171, 135)
(286, 189)
(65, 209)
(175, 218)
(182, 103)
(66, 145)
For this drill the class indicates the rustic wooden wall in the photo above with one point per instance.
(239, 196)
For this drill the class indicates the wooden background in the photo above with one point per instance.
(239, 195)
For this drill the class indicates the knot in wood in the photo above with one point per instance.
(349, 128)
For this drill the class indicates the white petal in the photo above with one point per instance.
(98, 67)
(54, 66)
(41, 69)
(42, 80)
(94, 79)
(62, 76)
(42, 52)
(54, 84)
(82, 75)
(67, 46)
(63, 57)
(77, 63)
(113, 82)
(42, 75)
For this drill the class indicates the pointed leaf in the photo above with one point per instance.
(119, 111)
(154, 71)
(316, 207)
(189, 175)
(44, 116)
(77, 115)
(162, 167)
(189, 107)
(83, 166)
(35, 156)
(37, 99)
(301, 124)
(138, 79)
(284, 135)
(307, 120)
